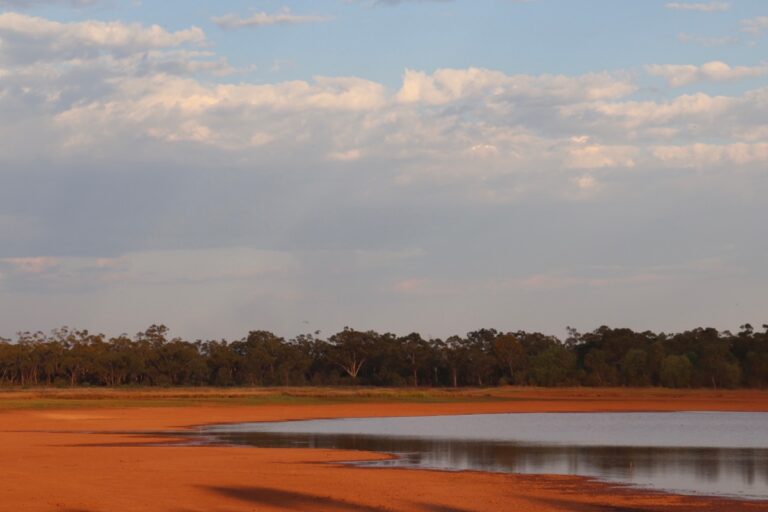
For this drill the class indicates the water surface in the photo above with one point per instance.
(718, 454)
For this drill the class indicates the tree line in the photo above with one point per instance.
(702, 357)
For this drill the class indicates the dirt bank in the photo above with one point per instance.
(97, 459)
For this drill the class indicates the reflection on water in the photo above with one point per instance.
(722, 454)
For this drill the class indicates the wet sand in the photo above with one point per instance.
(104, 459)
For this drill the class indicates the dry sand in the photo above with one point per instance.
(102, 459)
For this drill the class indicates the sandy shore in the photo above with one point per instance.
(102, 459)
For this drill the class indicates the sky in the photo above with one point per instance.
(436, 166)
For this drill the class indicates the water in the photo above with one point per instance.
(716, 454)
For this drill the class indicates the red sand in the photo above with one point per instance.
(76, 461)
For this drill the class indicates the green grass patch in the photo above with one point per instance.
(97, 399)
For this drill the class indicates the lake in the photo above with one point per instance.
(717, 454)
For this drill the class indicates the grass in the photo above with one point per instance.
(80, 398)
(77, 398)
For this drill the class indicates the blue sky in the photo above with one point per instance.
(436, 166)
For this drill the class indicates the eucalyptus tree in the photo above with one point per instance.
(350, 350)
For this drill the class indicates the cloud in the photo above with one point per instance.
(687, 108)
(229, 116)
(587, 183)
(704, 156)
(101, 92)
(23, 4)
(699, 6)
(34, 265)
(707, 41)
(451, 85)
(715, 71)
(756, 25)
(346, 156)
(411, 286)
(540, 282)
(27, 39)
(153, 268)
(398, 2)
(597, 156)
(260, 19)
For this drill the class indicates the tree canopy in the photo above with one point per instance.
(702, 357)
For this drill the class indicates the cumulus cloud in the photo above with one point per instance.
(699, 6)
(451, 85)
(227, 117)
(688, 108)
(27, 39)
(260, 19)
(715, 71)
(150, 88)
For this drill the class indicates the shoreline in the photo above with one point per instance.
(96, 459)
(611, 411)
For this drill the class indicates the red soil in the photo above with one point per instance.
(90, 460)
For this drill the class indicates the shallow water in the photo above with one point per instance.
(718, 454)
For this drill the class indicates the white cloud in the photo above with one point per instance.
(633, 114)
(27, 39)
(450, 85)
(346, 156)
(398, 2)
(163, 267)
(756, 25)
(484, 150)
(260, 19)
(147, 93)
(229, 116)
(23, 4)
(413, 286)
(554, 281)
(31, 265)
(587, 183)
(715, 71)
(684, 37)
(151, 268)
(709, 156)
(596, 156)
(699, 6)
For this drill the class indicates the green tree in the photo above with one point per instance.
(511, 355)
(555, 366)
(676, 372)
(350, 349)
(634, 368)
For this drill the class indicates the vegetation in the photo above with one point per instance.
(603, 358)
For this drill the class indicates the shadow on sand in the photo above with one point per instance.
(291, 500)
